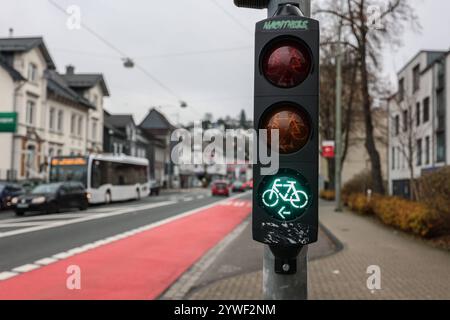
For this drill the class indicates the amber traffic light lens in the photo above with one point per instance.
(293, 125)
(286, 63)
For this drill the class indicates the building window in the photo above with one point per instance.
(405, 120)
(95, 100)
(416, 78)
(52, 119)
(418, 114)
(32, 72)
(80, 126)
(60, 121)
(51, 152)
(427, 150)
(30, 113)
(73, 120)
(393, 158)
(440, 147)
(401, 89)
(440, 110)
(94, 130)
(426, 110)
(397, 125)
(419, 152)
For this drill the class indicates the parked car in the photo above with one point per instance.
(155, 187)
(248, 185)
(220, 188)
(52, 198)
(30, 184)
(8, 191)
(238, 186)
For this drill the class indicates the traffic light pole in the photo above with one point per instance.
(282, 286)
(338, 156)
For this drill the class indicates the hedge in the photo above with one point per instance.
(327, 195)
(409, 216)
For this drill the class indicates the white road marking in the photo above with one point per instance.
(26, 268)
(6, 275)
(188, 199)
(46, 261)
(55, 224)
(63, 255)
(22, 224)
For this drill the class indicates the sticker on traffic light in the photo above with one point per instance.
(285, 196)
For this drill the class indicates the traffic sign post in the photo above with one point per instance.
(285, 204)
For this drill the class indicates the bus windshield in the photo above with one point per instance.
(69, 170)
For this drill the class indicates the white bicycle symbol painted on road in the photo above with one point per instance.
(297, 198)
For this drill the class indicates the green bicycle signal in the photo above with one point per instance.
(285, 196)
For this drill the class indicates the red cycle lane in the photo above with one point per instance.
(138, 267)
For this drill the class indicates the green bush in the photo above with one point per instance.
(357, 185)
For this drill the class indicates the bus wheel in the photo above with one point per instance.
(108, 197)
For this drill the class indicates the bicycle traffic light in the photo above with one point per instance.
(285, 204)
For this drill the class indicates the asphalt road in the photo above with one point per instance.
(21, 243)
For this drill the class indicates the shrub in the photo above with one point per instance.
(359, 203)
(357, 185)
(406, 215)
(328, 195)
(434, 191)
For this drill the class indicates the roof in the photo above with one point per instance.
(436, 59)
(86, 80)
(156, 120)
(120, 120)
(432, 53)
(15, 75)
(25, 44)
(59, 87)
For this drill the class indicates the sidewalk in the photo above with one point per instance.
(410, 269)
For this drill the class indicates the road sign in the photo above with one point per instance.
(328, 149)
(8, 122)
(285, 205)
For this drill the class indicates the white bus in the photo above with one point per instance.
(107, 178)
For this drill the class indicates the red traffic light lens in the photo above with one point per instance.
(286, 63)
(293, 125)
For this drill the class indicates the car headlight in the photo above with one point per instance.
(14, 200)
(38, 200)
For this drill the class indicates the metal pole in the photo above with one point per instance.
(338, 156)
(286, 287)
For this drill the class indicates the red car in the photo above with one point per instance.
(248, 185)
(220, 188)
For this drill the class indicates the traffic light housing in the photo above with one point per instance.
(285, 205)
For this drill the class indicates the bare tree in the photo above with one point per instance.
(350, 99)
(368, 25)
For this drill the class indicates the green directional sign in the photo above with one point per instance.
(8, 121)
(285, 196)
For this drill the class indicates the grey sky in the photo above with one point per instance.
(219, 82)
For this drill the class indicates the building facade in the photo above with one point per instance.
(57, 114)
(419, 120)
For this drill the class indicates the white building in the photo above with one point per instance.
(56, 114)
(419, 120)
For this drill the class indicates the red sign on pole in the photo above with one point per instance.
(328, 149)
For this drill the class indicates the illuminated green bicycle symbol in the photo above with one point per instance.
(291, 200)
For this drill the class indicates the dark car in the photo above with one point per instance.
(8, 191)
(220, 188)
(238, 186)
(52, 198)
